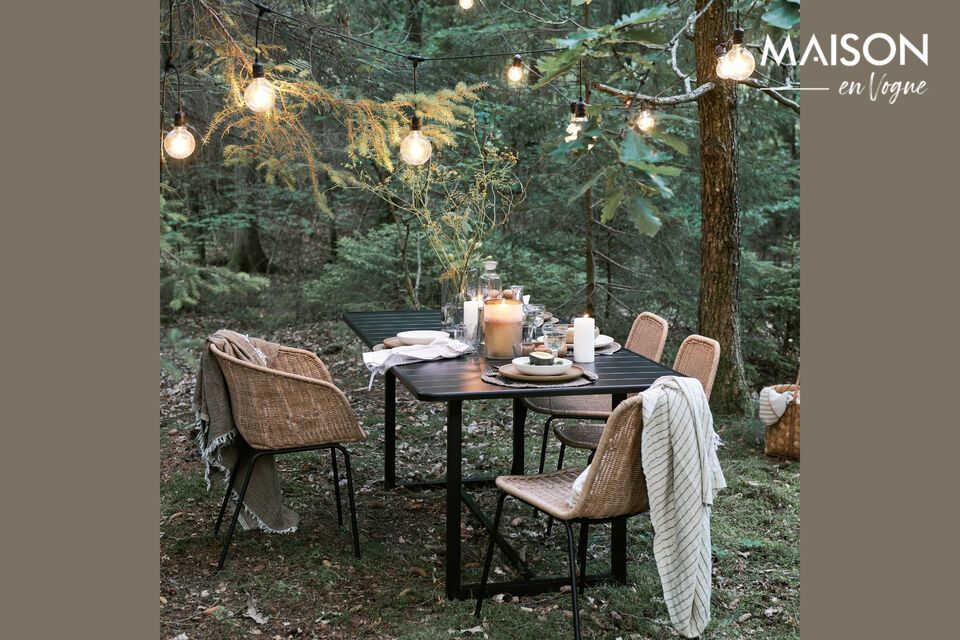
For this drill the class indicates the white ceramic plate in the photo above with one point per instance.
(602, 341)
(421, 337)
(523, 366)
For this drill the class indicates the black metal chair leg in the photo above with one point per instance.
(236, 513)
(226, 498)
(336, 486)
(489, 557)
(571, 553)
(582, 554)
(563, 449)
(543, 444)
(353, 507)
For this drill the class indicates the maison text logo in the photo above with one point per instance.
(881, 51)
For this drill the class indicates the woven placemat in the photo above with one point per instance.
(588, 377)
(609, 350)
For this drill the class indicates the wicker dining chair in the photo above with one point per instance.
(290, 407)
(615, 488)
(647, 337)
(698, 357)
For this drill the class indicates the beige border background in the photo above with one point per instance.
(879, 324)
(80, 309)
(80, 468)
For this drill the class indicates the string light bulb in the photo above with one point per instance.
(259, 95)
(644, 122)
(738, 64)
(722, 69)
(415, 149)
(466, 4)
(515, 72)
(573, 130)
(179, 143)
(578, 111)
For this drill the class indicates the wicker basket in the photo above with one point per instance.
(783, 437)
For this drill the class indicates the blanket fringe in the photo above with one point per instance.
(209, 455)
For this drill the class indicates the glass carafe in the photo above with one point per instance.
(491, 287)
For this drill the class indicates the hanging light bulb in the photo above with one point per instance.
(259, 95)
(739, 63)
(515, 73)
(416, 148)
(179, 143)
(573, 130)
(578, 111)
(466, 4)
(644, 121)
(723, 71)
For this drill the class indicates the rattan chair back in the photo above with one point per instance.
(615, 485)
(648, 335)
(699, 357)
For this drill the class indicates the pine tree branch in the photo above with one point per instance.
(691, 96)
(776, 95)
(655, 101)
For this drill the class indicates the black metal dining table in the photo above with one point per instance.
(454, 381)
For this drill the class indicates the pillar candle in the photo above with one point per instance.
(471, 312)
(583, 339)
(502, 327)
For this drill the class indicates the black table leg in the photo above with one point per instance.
(618, 533)
(519, 427)
(454, 475)
(617, 399)
(390, 430)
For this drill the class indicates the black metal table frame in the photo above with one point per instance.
(455, 485)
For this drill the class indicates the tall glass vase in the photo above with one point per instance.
(455, 288)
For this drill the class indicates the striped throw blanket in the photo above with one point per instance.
(683, 476)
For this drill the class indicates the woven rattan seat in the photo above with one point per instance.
(549, 492)
(580, 435)
(577, 407)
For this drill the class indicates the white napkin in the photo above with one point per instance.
(381, 361)
(773, 404)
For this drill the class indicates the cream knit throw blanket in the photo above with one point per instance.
(683, 476)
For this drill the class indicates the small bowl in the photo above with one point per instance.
(523, 366)
(420, 337)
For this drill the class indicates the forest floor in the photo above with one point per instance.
(309, 585)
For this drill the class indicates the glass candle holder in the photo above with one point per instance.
(502, 327)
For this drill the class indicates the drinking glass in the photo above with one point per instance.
(466, 333)
(517, 290)
(554, 338)
(533, 320)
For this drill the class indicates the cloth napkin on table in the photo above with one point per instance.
(774, 404)
(385, 359)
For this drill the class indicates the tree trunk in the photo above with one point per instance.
(414, 26)
(719, 310)
(247, 254)
(588, 205)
